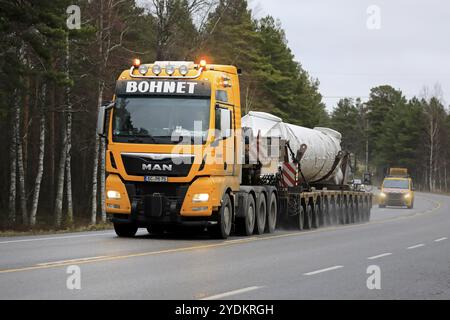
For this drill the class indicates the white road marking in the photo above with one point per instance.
(322, 270)
(440, 239)
(71, 260)
(416, 246)
(231, 293)
(379, 256)
(58, 238)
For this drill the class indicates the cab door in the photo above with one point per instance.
(224, 145)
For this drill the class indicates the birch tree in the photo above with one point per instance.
(40, 170)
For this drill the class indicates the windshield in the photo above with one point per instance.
(161, 120)
(396, 184)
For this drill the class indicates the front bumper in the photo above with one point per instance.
(159, 209)
(395, 200)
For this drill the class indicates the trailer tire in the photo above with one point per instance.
(272, 213)
(341, 211)
(367, 210)
(301, 218)
(308, 217)
(326, 212)
(316, 215)
(125, 230)
(334, 216)
(261, 214)
(223, 229)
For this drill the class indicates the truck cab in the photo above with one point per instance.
(397, 189)
(171, 154)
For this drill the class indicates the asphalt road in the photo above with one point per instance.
(411, 248)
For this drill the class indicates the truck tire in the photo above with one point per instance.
(261, 214)
(308, 217)
(223, 229)
(301, 218)
(272, 213)
(125, 230)
(247, 224)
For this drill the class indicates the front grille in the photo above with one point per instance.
(395, 196)
(136, 165)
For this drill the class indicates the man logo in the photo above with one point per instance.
(156, 167)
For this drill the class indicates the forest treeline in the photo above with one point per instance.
(54, 78)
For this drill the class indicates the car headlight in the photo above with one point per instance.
(112, 194)
(200, 197)
(383, 195)
(407, 195)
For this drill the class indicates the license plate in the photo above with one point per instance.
(155, 179)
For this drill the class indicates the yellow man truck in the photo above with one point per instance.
(397, 189)
(179, 152)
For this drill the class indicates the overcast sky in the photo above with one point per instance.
(408, 47)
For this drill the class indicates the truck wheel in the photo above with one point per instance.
(125, 230)
(223, 229)
(272, 212)
(248, 222)
(261, 213)
(301, 218)
(308, 217)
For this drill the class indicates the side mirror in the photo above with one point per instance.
(101, 121)
(102, 117)
(223, 122)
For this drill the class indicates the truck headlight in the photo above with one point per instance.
(383, 195)
(112, 194)
(407, 195)
(200, 197)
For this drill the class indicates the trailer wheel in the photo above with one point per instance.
(333, 213)
(342, 209)
(247, 223)
(350, 211)
(301, 217)
(308, 217)
(367, 210)
(361, 210)
(326, 217)
(261, 213)
(125, 230)
(272, 212)
(223, 229)
(316, 215)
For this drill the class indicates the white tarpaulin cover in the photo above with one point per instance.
(323, 144)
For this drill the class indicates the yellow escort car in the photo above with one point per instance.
(397, 189)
